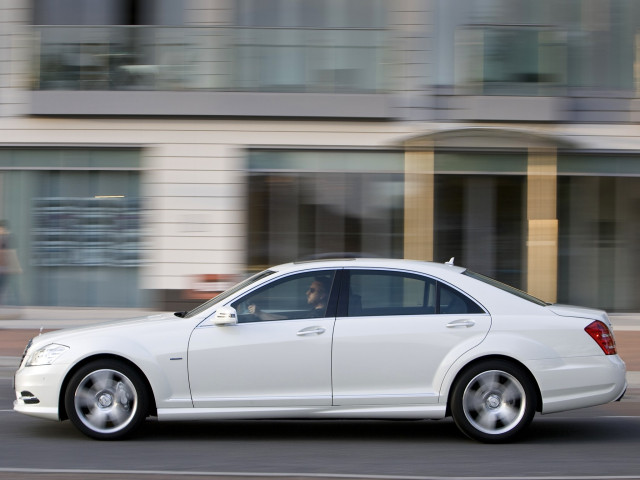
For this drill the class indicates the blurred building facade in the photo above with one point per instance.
(147, 146)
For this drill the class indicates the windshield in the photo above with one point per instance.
(228, 293)
(505, 287)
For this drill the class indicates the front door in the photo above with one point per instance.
(279, 353)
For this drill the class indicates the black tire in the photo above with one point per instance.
(493, 401)
(107, 400)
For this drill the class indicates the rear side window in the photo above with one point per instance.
(373, 293)
(452, 302)
(380, 293)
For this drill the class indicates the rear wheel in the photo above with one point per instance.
(493, 401)
(107, 400)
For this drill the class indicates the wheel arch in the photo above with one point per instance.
(85, 361)
(502, 358)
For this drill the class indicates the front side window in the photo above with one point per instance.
(305, 295)
(226, 294)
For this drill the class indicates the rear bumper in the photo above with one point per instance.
(570, 383)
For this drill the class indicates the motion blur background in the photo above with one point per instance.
(151, 151)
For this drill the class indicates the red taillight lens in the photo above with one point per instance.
(603, 337)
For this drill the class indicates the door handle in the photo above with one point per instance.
(310, 331)
(461, 323)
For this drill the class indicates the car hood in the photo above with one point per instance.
(59, 336)
(580, 312)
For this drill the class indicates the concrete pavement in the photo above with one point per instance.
(18, 324)
(54, 318)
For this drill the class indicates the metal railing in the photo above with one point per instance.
(210, 58)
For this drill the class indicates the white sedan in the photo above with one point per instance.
(350, 338)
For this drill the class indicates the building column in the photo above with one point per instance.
(542, 235)
(419, 201)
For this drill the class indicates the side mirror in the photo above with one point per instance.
(225, 316)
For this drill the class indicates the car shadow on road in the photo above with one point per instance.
(300, 430)
(584, 430)
(543, 430)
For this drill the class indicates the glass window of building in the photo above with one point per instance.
(510, 60)
(317, 13)
(75, 220)
(318, 46)
(480, 212)
(303, 203)
(538, 48)
(599, 227)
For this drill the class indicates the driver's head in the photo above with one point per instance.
(317, 292)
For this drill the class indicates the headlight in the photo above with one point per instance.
(46, 355)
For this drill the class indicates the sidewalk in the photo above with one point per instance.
(55, 318)
(17, 325)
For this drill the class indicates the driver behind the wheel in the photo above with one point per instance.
(317, 296)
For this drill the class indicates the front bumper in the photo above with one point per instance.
(37, 390)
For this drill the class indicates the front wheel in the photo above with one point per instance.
(106, 400)
(493, 401)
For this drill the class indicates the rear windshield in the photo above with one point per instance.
(504, 287)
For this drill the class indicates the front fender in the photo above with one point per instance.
(154, 354)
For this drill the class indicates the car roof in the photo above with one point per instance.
(362, 262)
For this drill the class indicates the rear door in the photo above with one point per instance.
(396, 334)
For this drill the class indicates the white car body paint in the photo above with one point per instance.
(337, 367)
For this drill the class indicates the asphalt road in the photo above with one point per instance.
(596, 443)
(599, 442)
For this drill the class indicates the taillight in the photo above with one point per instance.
(603, 336)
